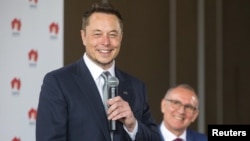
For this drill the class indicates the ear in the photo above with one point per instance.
(163, 105)
(121, 36)
(195, 115)
(82, 32)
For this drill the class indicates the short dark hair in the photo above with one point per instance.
(103, 7)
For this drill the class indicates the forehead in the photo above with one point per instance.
(103, 18)
(183, 95)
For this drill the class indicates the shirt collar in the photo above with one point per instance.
(167, 135)
(95, 70)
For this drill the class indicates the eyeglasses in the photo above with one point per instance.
(177, 105)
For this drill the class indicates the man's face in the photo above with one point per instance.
(178, 119)
(102, 38)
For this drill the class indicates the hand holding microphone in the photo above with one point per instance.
(120, 108)
(113, 83)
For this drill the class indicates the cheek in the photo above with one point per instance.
(116, 42)
(117, 52)
(91, 44)
(168, 112)
(168, 115)
(191, 118)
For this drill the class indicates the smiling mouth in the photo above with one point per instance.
(179, 118)
(105, 50)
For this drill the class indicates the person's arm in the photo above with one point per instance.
(132, 133)
(147, 128)
(52, 114)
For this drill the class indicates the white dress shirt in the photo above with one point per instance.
(169, 136)
(96, 72)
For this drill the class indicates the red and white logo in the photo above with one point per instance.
(32, 115)
(33, 3)
(16, 139)
(33, 57)
(16, 25)
(53, 29)
(15, 85)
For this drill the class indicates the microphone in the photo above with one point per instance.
(113, 83)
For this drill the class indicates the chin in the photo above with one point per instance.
(104, 63)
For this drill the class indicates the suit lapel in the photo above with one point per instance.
(124, 87)
(189, 136)
(90, 91)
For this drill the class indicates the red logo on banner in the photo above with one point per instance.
(15, 85)
(32, 115)
(53, 29)
(33, 3)
(16, 26)
(33, 56)
(16, 139)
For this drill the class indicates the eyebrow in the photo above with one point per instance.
(189, 104)
(98, 30)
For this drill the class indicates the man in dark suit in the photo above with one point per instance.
(70, 105)
(180, 108)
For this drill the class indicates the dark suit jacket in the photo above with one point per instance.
(193, 136)
(70, 107)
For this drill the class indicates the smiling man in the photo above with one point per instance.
(180, 109)
(73, 105)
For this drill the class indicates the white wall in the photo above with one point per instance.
(31, 44)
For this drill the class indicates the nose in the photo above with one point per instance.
(105, 40)
(182, 109)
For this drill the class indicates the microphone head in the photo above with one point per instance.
(113, 81)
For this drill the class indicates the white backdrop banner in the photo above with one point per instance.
(31, 44)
